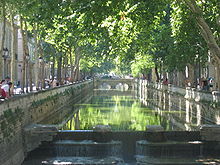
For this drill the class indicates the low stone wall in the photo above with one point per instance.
(195, 107)
(188, 92)
(21, 111)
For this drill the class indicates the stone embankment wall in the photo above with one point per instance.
(21, 111)
(195, 107)
(188, 92)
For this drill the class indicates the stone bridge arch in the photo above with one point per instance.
(114, 82)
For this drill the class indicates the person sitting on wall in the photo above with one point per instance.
(2, 91)
(54, 83)
(10, 89)
(7, 89)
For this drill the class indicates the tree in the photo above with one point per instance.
(206, 30)
(2, 39)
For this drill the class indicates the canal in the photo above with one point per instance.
(127, 112)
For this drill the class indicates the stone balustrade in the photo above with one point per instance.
(188, 92)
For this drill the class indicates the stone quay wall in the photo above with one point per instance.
(192, 94)
(195, 107)
(20, 111)
(188, 92)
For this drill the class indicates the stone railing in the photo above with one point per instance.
(188, 92)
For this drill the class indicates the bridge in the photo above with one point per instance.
(113, 83)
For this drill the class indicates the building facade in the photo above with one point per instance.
(7, 49)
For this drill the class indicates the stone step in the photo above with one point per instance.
(169, 149)
(146, 160)
(86, 148)
(83, 161)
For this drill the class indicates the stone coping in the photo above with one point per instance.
(42, 91)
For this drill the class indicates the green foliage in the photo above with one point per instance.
(188, 41)
(142, 64)
(111, 34)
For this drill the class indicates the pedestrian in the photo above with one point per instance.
(10, 89)
(211, 83)
(7, 89)
(54, 83)
(2, 91)
(7, 79)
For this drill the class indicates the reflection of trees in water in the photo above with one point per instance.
(191, 114)
(120, 112)
(77, 121)
(126, 113)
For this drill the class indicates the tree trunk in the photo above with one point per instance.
(43, 76)
(13, 50)
(206, 32)
(2, 40)
(218, 75)
(28, 61)
(157, 74)
(24, 55)
(59, 70)
(71, 64)
(191, 74)
(53, 68)
(66, 66)
(76, 76)
(180, 79)
(64, 70)
(36, 55)
(41, 64)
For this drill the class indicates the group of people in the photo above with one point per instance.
(206, 84)
(5, 88)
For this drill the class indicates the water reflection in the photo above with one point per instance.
(191, 114)
(133, 110)
(120, 112)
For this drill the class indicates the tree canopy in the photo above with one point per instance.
(130, 36)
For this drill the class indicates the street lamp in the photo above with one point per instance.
(5, 56)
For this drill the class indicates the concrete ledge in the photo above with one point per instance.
(154, 128)
(37, 133)
(210, 133)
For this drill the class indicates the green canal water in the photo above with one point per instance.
(124, 113)
(119, 112)
(127, 113)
